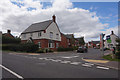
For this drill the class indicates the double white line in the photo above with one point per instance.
(15, 74)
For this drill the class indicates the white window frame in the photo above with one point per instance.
(39, 44)
(51, 34)
(57, 36)
(51, 45)
(39, 34)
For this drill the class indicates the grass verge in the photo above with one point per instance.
(108, 57)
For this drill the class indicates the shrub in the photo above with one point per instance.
(50, 50)
(27, 47)
(64, 49)
(40, 50)
(75, 47)
(45, 50)
(9, 40)
(118, 48)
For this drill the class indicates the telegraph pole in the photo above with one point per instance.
(102, 42)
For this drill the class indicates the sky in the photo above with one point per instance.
(88, 19)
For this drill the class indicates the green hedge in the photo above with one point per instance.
(44, 50)
(118, 48)
(9, 40)
(27, 47)
(64, 49)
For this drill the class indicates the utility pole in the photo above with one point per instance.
(102, 42)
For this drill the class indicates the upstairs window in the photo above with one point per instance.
(24, 35)
(39, 34)
(51, 34)
(57, 36)
(31, 34)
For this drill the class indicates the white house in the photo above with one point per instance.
(110, 40)
(46, 34)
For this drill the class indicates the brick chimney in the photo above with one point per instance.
(112, 32)
(8, 31)
(54, 18)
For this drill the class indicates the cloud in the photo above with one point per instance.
(104, 17)
(79, 21)
(93, 8)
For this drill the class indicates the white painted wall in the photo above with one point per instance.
(113, 41)
(52, 28)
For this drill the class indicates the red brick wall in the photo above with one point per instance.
(64, 42)
(44, 43)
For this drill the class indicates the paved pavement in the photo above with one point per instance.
(54, 65)
(97, 59)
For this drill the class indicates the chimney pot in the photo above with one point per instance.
(9, 31)
(112, 32)
(54, 18)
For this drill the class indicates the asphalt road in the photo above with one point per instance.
(54, 65)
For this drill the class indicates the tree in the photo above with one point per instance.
(9, 40)
(81, 41)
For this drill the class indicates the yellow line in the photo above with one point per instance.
(96, 61)
(34, 54)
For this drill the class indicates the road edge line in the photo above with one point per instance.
(15, 74)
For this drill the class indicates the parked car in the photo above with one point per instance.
(82, 49)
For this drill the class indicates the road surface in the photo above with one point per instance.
(54, 65)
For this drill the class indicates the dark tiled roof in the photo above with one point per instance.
(38, 26)
(8, 35)
(69, 36)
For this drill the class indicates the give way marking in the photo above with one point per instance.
(15, 74)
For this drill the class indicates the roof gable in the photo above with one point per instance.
(38, 26)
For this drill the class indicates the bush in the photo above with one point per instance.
(27, 47)
(9, 40)
(64, 49)
(118, 48)
(44, 50)
(75, 47)
(50, 50)
(40, 50)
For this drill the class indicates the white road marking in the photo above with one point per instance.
(41, 58)
(70, 57)
(75, 56)
(57, 60)
(75, 63)
(66, 57)
(89, 64)
(15, 74)
(86, 65)
(44, 58)
(65, 61)
(102, 67)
